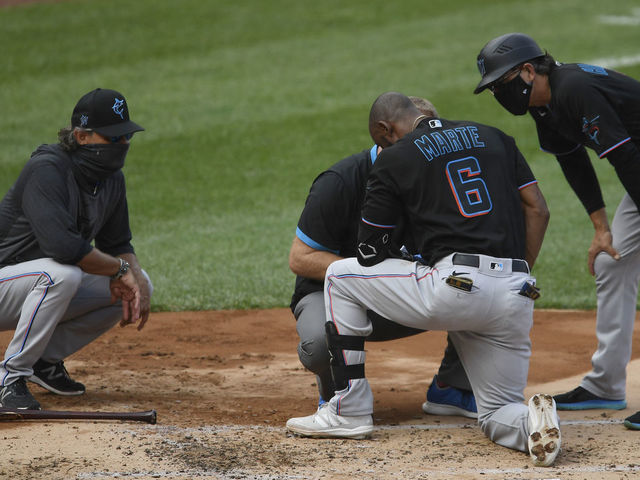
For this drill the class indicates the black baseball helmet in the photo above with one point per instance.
(504, 53)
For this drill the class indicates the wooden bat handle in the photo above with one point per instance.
(7, 414)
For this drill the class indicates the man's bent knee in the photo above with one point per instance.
(60, 273)
(607, 269)
(314, 355)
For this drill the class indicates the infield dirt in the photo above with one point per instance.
(224, 383)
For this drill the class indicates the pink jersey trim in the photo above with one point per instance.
(527, 184)
(604, 154)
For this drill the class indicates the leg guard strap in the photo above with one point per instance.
(341, 372)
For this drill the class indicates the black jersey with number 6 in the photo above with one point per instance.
(457, 184)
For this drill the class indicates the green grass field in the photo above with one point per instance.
(245, 102)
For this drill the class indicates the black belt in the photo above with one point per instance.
(474, 261)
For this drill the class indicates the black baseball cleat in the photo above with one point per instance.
(17, 395)
(581, 399)
(633, 422)
(55, 378)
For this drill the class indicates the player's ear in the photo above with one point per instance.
(384, 127)
(383, 133)
(528, 72)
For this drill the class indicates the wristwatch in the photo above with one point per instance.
(124, 268)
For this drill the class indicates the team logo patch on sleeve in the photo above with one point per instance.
(591, 129)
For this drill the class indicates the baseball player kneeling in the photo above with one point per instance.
(477, 218)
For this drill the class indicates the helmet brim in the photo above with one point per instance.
(488, 79)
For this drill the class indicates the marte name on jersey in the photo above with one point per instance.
(441, 142)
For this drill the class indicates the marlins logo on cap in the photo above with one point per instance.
(118, 107)
(481, 67)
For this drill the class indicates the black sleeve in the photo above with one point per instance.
(382, 203)
(326, 212)
(45, 203)
(626, 160)
(579, 172)
(114, 238)
(374, 244)
(380, 214)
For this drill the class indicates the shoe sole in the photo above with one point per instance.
(593, 405)
(37, 381)
(544, 437)
(448, 410)
(631, 425)
(358, 433)
(33, 407)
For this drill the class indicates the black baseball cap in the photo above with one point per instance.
(104, 111)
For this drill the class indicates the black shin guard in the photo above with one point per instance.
(341, 372)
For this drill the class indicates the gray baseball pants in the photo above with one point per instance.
(489, 327)
(55, 310)
(617, 293)
(314, 355)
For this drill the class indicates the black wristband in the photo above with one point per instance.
(124, 268)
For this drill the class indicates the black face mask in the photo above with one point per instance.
(98, 161)
(514, 95)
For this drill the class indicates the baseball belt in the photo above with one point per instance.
(469, 260)
(528, 289)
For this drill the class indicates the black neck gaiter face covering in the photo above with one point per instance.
(514, 95)
(96, 162)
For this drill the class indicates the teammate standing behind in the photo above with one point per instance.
(56, 289)
(577, 106)
(327, 231)
(474, 212)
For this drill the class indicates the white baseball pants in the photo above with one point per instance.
(489, 327)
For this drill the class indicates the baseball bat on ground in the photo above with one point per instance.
(8, 414)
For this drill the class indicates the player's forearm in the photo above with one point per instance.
(136, 269)
(536, 226)
(599, 220)
(314, 265)
(99, 263)
(308, 262)
(536, 217)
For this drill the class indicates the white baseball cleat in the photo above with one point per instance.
(544, 431)
(325, 423)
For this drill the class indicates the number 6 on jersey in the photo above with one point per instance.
(468, 188)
